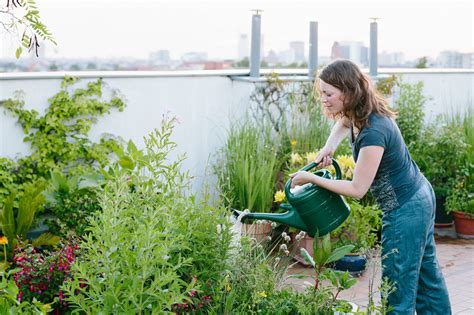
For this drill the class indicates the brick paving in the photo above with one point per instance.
(456, 257)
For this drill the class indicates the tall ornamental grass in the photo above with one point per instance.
(308, 128)
(248, 167)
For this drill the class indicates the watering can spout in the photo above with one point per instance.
(290, 217)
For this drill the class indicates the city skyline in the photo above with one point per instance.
(106, 29)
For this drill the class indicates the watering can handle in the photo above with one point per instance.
(334, 163)
(313, 165)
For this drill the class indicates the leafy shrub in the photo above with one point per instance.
(59, 139)
(410, 112)
(152, 243)
(9, 303)
(72, 200)
(41, 273)
(442, 155)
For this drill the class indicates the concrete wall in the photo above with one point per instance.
(203, 102)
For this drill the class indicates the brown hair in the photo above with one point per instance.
(360, 97)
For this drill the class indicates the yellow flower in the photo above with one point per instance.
(296, 159)
(293, 142)
(279, 196)
(262, 294)
(3, 240)
(311, 156)
(347, 164)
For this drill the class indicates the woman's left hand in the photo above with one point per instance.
(300, 178)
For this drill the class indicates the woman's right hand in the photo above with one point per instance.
(325, 156)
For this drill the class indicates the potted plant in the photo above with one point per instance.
(460, 202)
(441, 155)
(360, 230)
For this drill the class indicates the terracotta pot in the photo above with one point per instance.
(464, 225)
(259, 231)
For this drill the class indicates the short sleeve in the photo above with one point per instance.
(372, 137)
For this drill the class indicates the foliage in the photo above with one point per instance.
(72, 200)
(361, 227)
(422, 63)
(387, 85)
(59, 137)
(410, 112)
(256, 271)
(16, 218)
(323, 255)
(308, 126)
(22, 17)
(9, 303)
(442, 155)
(41, 273)
(248, 167)
(461, 198)
(151, 243)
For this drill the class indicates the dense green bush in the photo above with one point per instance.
(59, 138)
(152, 243)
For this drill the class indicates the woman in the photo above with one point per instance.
(384, 165)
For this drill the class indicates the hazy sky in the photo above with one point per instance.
(114, 28)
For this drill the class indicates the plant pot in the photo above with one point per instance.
(259, 230)
(354, 263)
(442, 218)
(464, 225)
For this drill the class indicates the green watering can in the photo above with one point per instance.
(313, 209)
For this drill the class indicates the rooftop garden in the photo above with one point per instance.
(111, 227)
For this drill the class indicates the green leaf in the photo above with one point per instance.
(127, 162)
(339, 252)
(18, 52)
(307, 257)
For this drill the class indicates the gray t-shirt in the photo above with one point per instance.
(398, 176)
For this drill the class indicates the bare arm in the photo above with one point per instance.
(338, 133)
(364, 174)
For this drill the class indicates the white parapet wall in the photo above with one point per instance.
(203, 102)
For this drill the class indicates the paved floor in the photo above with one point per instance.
(456, 258)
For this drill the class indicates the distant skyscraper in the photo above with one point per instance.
(355, 51)
(391, 59)
(160, 57)
(194, 57)
(243, 47)
(454, 59)
(298, 51)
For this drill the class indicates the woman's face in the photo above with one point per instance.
(331, 97)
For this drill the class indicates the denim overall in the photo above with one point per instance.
(409, 256)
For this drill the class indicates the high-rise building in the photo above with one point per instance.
(454, 59)
(298, 51)
(160, 57)
(194, 56)
(391, 59)
(355, 51)
(243, 47)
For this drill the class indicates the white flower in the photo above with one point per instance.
(242, 214)
(274, 225)
(287, 252)
(287, 238)
(277, 260)
(283, 235)
(219, 228)
(283, 247)
(269, 238)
